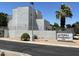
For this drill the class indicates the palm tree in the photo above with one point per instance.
(63, 13)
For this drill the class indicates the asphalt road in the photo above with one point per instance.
(38, 50)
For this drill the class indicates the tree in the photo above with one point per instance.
(3, 19)
(76, 27)
(55, 26)
(68, 26)
(63, 13)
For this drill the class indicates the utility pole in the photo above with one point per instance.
(32, 5)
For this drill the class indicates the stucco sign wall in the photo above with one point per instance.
(65, 36)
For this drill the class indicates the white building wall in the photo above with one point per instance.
(39, 34)
(38, 15)
(46, 25)
(21, 22)
(32, 16)
(21, 16)
(40, 24)
(45, 34)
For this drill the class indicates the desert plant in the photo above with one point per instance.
(2, 54)
(35, 37)
(25, 37)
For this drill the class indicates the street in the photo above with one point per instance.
(38, 50)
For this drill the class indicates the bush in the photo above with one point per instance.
(35, 37)
(25, 37)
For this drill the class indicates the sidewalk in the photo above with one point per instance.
(74, 44)
(13, 53)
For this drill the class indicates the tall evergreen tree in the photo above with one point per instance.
(3, 19)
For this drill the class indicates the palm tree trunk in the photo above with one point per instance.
(62, 22)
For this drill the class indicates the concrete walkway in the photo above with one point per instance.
(74, 43)
(13, 53)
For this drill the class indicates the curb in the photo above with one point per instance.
(55, 44)
(18, 53)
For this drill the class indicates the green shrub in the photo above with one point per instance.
(35, 37)
(25, 37)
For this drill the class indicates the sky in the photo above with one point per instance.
(47, 9)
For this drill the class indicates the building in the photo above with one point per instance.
(21, 22)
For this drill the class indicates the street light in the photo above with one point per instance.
(32, 5)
